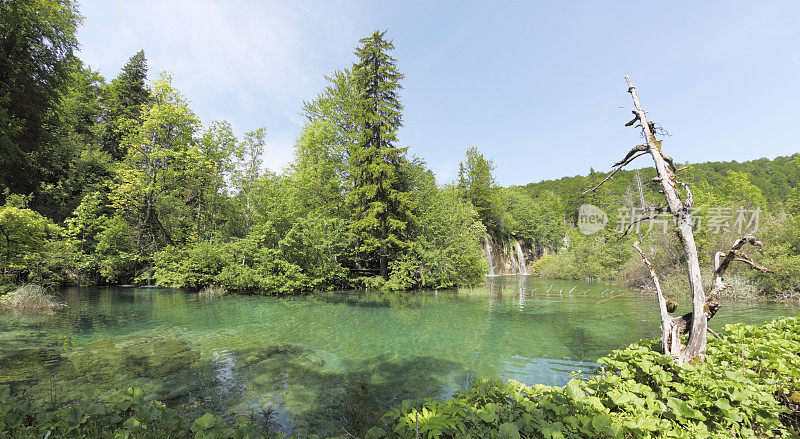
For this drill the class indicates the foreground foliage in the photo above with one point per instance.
(749, 386)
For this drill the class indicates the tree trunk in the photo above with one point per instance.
(684, 227)
(384, 269)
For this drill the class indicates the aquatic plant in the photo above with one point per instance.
(212, 291)
(30, 297)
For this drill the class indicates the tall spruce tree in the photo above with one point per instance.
(379, 200)
(122, 102)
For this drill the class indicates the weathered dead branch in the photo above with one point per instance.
(704, 307)
(632, 155)
(647, 215)
(722, 261)
(689, 201)
(667, 334)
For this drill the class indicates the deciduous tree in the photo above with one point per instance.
(37, 40)
(477, 185)
(162, 156)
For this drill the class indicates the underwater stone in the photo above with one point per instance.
(316, 360)
(140, 356)
(27, 364)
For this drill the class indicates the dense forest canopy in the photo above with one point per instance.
(773, 178)
(119, 181)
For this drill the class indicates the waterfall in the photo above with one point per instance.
(523, 267)
(508, 252)
(488, 248)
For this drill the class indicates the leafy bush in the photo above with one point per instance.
(781, 252)
(194, 266)
(303, 260)
(115, 251)
(743, 389)
(30, 250)
(595, 257)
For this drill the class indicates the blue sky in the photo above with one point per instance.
(536, 86)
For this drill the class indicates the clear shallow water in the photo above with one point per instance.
(326, 362)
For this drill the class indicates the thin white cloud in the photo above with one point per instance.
(252, 63)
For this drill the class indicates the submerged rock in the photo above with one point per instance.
(27, 364)
(140, 356)
(276, 352)
(27, 355)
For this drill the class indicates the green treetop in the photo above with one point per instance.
(123, 101)
(379, 201)
(476, 184)
(37, 40)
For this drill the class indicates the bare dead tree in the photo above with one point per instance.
(679, 203)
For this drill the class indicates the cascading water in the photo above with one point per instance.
(508, 252)
(523, 267)
(488, 249)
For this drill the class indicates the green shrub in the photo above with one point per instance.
(741, 390)
(304, 260)
(594, 257)
(371, 282)
(194, 266)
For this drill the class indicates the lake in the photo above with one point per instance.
(327, 362)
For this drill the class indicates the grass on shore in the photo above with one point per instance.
(30, 297)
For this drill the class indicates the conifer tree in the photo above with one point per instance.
(379, 201)
(123, 100)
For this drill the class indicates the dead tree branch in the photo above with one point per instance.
(722, 262)
(632, 155)
(671, 327)
(634, 120)
(669, 335)
(689, 201)
(647, 215)
(704, 306)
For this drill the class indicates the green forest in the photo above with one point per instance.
(116, 182)
(731, 198)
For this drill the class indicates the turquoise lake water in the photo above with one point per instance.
(328, 362)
